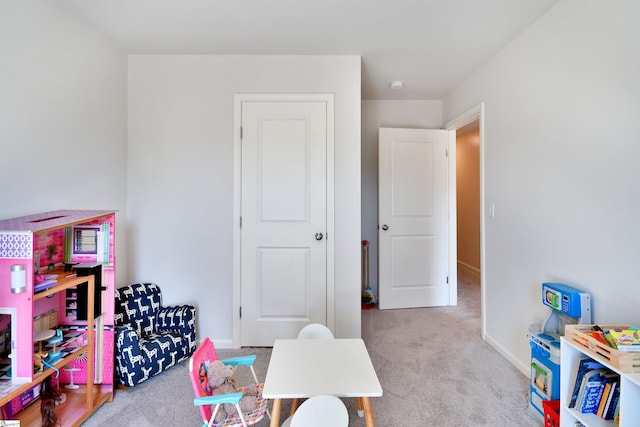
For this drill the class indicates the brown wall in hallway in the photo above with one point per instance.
(468, 198)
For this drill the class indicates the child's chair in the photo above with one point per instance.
(320, 411)
(315, 331)
(204, 400)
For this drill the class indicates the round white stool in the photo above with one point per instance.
(71, 385)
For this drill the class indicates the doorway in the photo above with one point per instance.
(468, 198)
(471, 234)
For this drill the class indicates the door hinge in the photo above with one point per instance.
(241, 133)
(446, 152)
(241, 312)
(240, 222)
(447, 280)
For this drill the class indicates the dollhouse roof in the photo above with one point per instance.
(53, 219)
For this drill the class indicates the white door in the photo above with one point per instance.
(413, 218)
(284, 219)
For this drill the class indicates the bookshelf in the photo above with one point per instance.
(570, 355)
(24, 241)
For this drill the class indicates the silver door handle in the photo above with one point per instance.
(319, 236)
(385, 227)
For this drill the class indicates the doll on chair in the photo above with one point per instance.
(219, 380)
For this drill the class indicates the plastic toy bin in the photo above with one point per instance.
(551, 413)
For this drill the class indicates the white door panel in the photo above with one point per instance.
(284, 175)
(413, 218)
(411, 163)
(277, 268)
(283, 170)
(408, 273)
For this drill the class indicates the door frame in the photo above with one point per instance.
(13, 313)
(238, 99)
(474, 113)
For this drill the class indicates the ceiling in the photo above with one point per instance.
(430, 45)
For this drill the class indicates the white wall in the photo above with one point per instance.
(561, 166)
(377, 114)
(181, 182)
(63, 116)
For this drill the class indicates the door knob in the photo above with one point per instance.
(385, 227)
(319, 236)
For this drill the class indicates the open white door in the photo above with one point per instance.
(413, 223)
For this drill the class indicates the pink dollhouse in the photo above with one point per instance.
(57, 281)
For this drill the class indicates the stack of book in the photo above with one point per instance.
(596, 390)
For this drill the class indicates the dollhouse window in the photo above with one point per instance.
(85, 240)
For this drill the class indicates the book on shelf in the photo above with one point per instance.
(610, 379)
(585, 365)
(590, 391)
(612, 402)
(616, 412)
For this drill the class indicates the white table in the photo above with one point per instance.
(306, 368)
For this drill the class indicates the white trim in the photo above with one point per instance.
(453, 220)
(525, 368)
(477, 113)
(331, 237)
(238, 99)
(223, 343)
(13, 312)
(237, 211)
(473, 113)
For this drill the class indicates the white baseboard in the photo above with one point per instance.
(522, 367)
(223, 343)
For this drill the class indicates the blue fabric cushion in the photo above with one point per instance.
(137, 305)
(150, 338)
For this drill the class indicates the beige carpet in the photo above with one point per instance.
(434, 368)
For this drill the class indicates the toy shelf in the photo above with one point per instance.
(570, 355)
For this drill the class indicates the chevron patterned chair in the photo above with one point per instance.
(150, 338)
